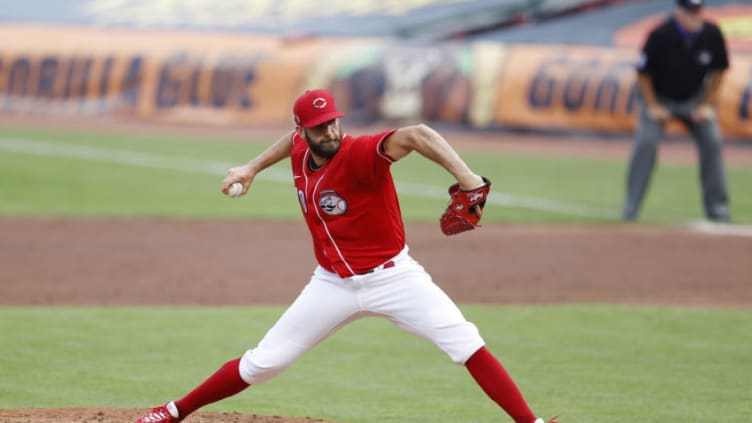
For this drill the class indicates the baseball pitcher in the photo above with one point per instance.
(348, 199)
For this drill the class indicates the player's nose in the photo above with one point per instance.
(331, 129)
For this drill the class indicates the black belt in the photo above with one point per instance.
(386, 265)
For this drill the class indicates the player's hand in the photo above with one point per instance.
(658, 113)
(243, 174)
(472, 182)
(703, 113)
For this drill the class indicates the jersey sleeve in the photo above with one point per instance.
(367, 158)
(647, 60)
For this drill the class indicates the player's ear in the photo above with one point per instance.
(300, 131)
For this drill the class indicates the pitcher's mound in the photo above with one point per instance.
(125, 415)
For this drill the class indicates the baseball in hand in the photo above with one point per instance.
(235, 190)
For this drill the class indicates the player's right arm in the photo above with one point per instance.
(655, 109)
(646, 67)
(244, 174)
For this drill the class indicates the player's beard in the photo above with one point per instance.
(326, 147)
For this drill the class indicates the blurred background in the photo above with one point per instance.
(533, 65)
(545, 89)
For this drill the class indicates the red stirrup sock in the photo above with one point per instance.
(226, 382)
(498, 385)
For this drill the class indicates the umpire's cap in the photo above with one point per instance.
(315, 107)
(692, 5)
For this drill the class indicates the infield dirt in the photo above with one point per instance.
(60, 262)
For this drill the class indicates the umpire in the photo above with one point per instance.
(679, 74)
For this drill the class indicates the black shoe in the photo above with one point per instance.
(720, 218)
(718, 214)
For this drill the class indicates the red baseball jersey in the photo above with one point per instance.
(350, 204)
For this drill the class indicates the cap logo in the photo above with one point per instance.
(319, 103)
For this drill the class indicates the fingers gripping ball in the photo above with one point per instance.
(463, 212)
(235, 190)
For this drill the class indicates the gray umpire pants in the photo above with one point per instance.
(708, 141)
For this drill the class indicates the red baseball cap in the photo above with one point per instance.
(315, 107)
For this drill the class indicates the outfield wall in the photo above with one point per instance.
(181, 77)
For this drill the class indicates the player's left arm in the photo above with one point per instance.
(706, 109)
(430, 144)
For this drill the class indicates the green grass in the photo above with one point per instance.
(50, 184)
(589, 363)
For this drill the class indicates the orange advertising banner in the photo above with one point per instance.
(181, 77)
(165, 76)
(735, 99)
(594, 88)
(557, 87)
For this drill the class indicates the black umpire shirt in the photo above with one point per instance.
(678, 61)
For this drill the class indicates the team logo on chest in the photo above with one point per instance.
(331, 203)
(704, 57)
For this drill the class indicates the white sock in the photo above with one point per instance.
(173, 409)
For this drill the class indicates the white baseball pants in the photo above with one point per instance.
(405, 294)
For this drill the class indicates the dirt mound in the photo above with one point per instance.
(123, 415)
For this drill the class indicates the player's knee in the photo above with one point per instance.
(647, 140)
(461, 342)
(256, 367)
(462, 354)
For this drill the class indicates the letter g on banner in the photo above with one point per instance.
(543, 85)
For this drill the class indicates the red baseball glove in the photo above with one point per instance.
(464, 209)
